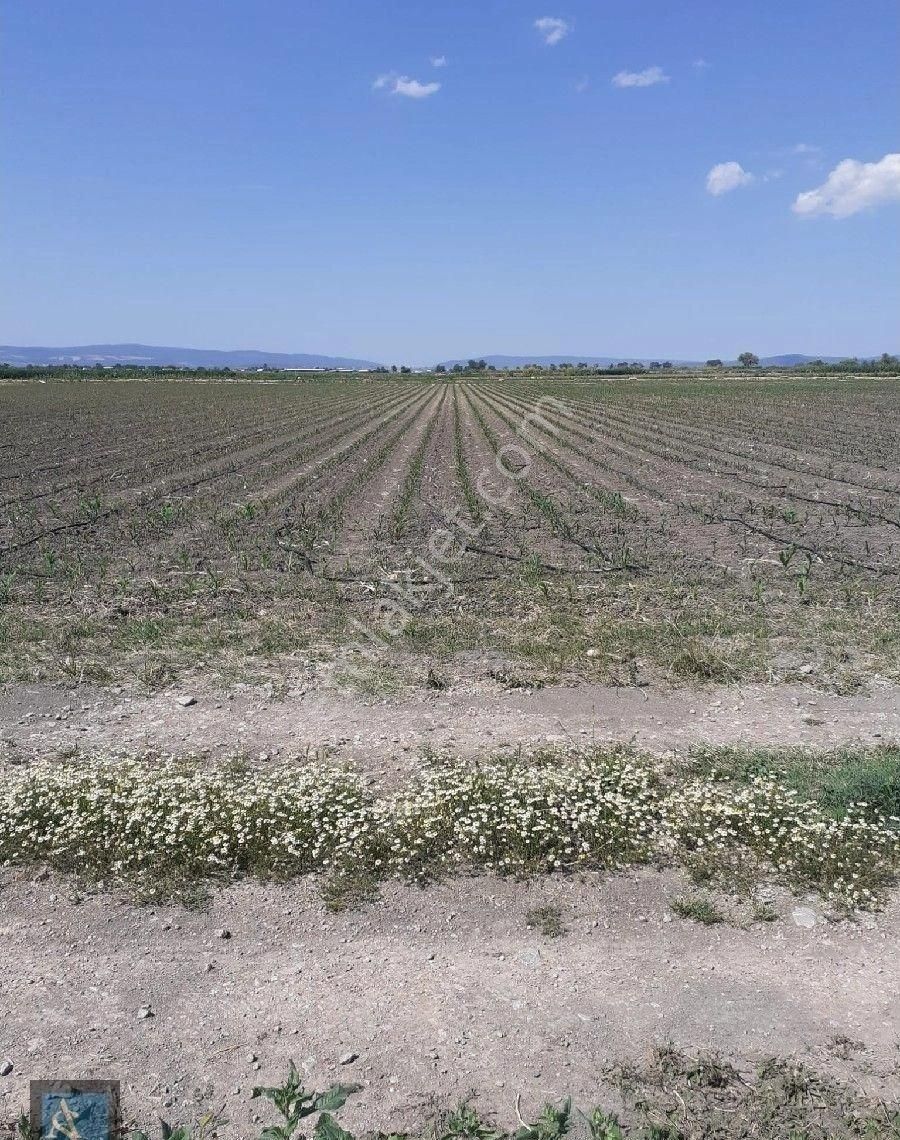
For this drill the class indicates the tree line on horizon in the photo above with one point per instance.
(887, 363)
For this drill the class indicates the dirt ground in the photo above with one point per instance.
(434, 994)
(386, 735)
(438, 992)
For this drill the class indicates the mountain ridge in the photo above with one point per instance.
(161, 356)
(144, 355)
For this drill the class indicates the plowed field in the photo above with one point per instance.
(515, 530)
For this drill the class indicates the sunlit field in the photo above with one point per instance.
(619, 529)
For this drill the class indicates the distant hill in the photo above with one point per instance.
(791, 358)
(154, 355)
(145, 354)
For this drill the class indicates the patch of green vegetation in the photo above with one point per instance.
(763, 911)
(703, 661)
(547, 919)
(673, 1096)
(699, 908)
(617, 629)
(867, 777)
(371, 679)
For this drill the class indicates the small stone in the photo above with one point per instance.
(430, 955)
(208, 968)
(223, 933)
(186, 700)
(811, 718)
(6, 1068)
(804, 916)
(348, 1058)
(144, 1012)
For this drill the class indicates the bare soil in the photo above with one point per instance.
(387, 734)
(439, 993)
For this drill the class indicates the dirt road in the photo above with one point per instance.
(384, 734)
(437, 993)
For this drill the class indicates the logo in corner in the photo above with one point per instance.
(74, 1110)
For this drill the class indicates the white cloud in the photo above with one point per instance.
(726, 176)
(552, 28)
(700, 64)
(402, 85)
(852, 186)
(438, 61)
(582, 84)
(805, 148)
(649, 77)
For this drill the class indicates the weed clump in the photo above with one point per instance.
(700, 908)
(547, 919)
(672, 1096)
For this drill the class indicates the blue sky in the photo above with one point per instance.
(280, 174)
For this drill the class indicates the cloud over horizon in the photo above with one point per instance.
(852, 187)
(552, 28)
(396, 84)
(649, 77)
(727, 176)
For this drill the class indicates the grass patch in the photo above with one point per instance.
(372, 680)
(547, 919)
(620, 629)
(703, 661)
(838, 780)
(349, 889)
(698, 908)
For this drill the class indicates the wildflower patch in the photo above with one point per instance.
(132, 821)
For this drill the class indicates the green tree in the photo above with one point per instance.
(748, 359)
